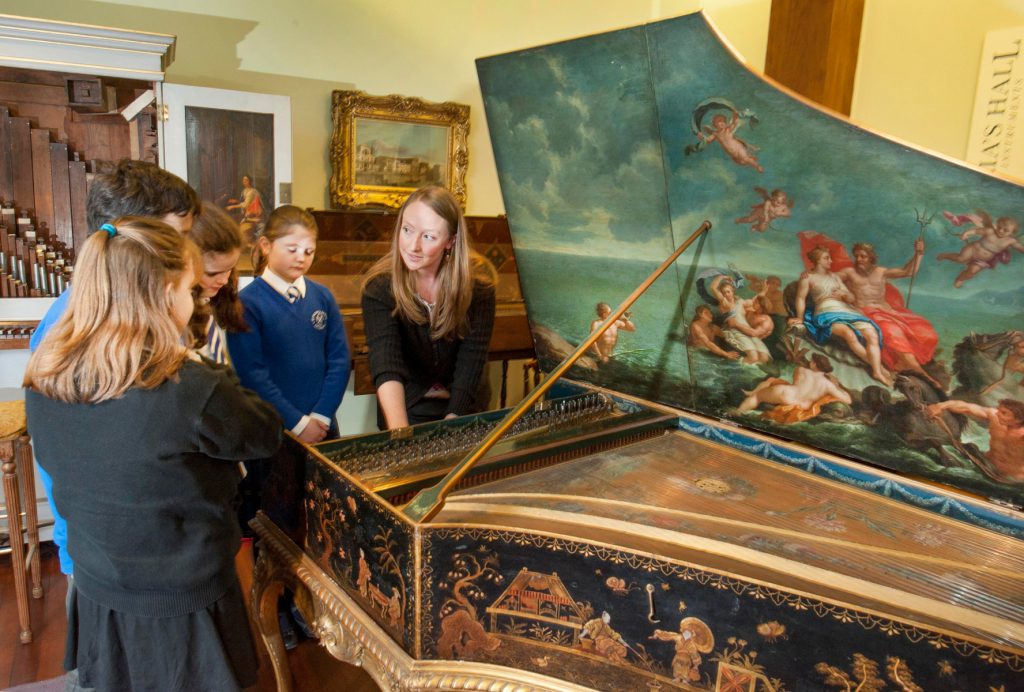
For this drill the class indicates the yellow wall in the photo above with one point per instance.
(918, 67)
(306, 49)
(916, 74)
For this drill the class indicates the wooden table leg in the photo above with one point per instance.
(13, 501)
(27, 473)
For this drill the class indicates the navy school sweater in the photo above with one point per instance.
(295, 355)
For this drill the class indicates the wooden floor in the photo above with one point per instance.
(312, 668)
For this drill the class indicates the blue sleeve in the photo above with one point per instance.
(338, 362)
(246, 349)
(55, 312)
(60, 526)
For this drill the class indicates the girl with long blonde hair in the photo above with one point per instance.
(428, 306)
(142, 441)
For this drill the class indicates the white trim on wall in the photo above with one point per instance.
(44, 44)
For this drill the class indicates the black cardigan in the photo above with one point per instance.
(147, 484)
(403, 351)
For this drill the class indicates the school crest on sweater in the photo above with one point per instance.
(319, 320)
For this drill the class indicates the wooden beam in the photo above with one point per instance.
(812, 48)
(61, 192)
(19, 130)
(6, 171)
(77, 190)
(42, 181)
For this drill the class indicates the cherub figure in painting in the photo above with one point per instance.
(994, 241)
(773, 205)
(812, 388)
(604, 347)
(723, 131)
(599, 633)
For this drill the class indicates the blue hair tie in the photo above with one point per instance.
(109, 228)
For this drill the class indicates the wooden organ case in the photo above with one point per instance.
(722, 497)
(71, 95)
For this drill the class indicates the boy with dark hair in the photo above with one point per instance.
(140, 188)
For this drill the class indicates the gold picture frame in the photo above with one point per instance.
(385, 147)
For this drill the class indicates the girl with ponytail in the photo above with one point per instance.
(142, 440)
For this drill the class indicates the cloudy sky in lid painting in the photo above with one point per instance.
(613, 148)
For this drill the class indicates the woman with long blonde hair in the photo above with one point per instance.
(428, 306)
(142, 441)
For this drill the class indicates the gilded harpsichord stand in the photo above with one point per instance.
(349, 634)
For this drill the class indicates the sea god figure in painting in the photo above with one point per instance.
(908, 339)
(833, 314)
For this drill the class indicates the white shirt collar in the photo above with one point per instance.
(280, 285)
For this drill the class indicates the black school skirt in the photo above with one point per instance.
(211, 649)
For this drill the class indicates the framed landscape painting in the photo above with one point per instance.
(385, 147)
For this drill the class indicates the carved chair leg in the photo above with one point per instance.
(27, 473)
(12, 500)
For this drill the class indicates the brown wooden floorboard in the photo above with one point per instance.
(312, 667)
(42, 658)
